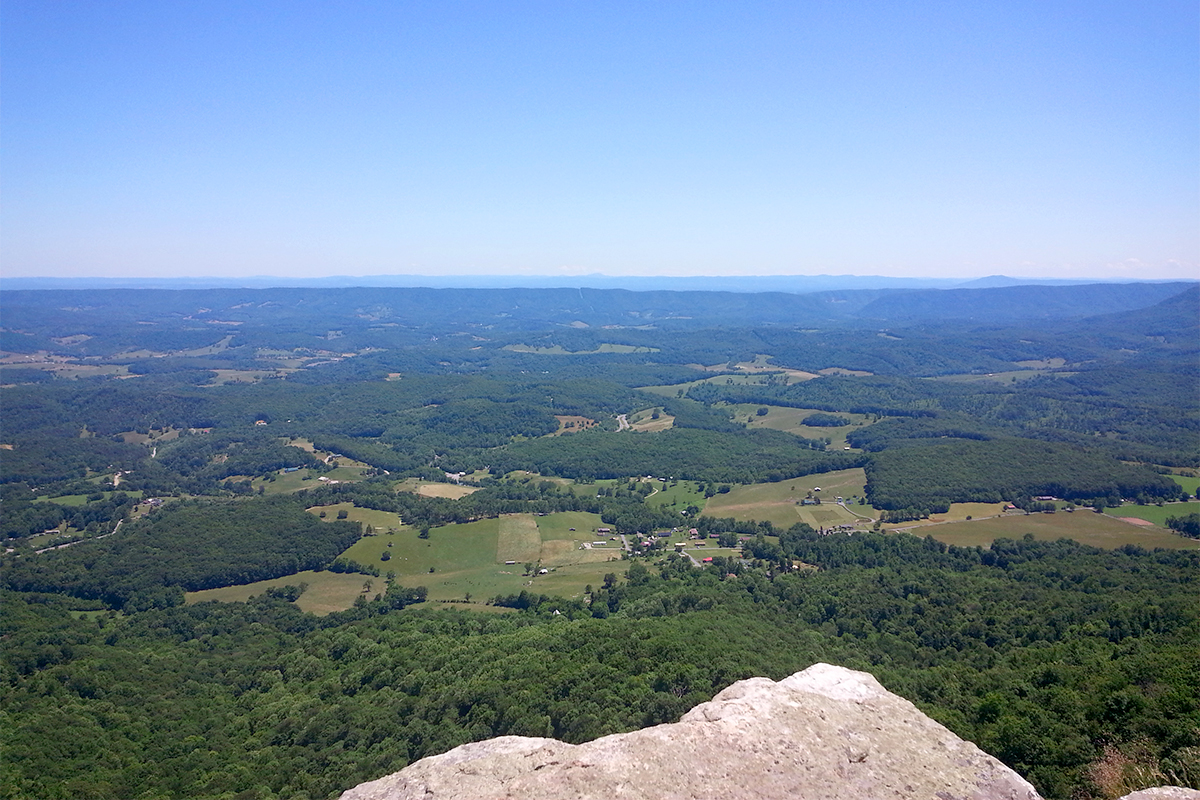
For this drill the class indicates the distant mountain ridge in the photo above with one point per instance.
(793, 284)
(527, 308)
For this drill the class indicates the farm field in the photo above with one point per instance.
(681, 494)
(227, 376)
(644, 420)
(788, 420)
(82, 499)
(470, 558)
(701, 553)
(327, 591)
(959, 512)
(558, 350)
(1012, 376)
(777, 502)
(674, 389)
(1191, 485)
(452, 491)
(1085, 527)
(287, 482)
(1156, 514)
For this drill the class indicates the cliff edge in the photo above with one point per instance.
(824, 733)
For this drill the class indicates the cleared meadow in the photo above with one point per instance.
(1156, 514)
(790, 420)
(327, 591)
(1085, 527)
(457, 560)
(1190, 484)
(779, 503)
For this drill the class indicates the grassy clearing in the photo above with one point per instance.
(1086, 527)
(701, 553)
(227, 376)
(287, 482)
(959, 512)
(559, 350)
(748, 378)
(645, 420)
(327, 591)
(155, 435)
(679, 494)
(1012, 376)
(518, 539)
(570, 581)
(778, 502)
(381, 521)
(82, 499)
(470, 558)
(1190, 485)
(1156, 514)
(782, 418)
(572, 423)
(450, 490)
(456, 560)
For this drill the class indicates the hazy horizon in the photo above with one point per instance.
(1046, 140)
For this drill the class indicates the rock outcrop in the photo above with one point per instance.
(826, 732)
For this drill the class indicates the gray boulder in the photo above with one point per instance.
(826, 733)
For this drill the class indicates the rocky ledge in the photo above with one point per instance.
(826, 733)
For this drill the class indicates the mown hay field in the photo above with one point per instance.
(1086, 527)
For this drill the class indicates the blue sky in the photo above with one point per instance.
(1041, 139)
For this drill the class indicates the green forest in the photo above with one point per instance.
(151, 448)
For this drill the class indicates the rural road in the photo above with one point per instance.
(622, 423)
(77, 541)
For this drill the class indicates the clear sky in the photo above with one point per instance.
(949, 139)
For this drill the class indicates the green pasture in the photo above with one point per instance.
(287, 482)
(1086, 527)
(779, 503)
(783, 418)
(644, 420)
(1156, 514)
(1011, 376)
(701, 553)
(959, 512)
(74, 500)
(381, 521)
(470, 558)
(327, 591)
(674, 389)
(559, 350)
(682, 494)
(228, 376)
(452, 491)
(1190, 485)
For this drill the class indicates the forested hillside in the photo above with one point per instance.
(496, 501)
(1077, 649)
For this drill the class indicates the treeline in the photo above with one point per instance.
(23, 517)
(967, 471)
(731, 457)
(187, 545)
(1143, 410)
(1044, 653)
(59, 456)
